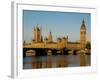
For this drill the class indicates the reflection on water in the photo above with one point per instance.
(35, 62)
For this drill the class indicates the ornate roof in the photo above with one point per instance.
(83, 26)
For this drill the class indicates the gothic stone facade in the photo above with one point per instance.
(39, 42)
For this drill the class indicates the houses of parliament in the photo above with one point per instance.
(62, 42)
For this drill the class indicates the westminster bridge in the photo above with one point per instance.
(49, 51)
(45, 51)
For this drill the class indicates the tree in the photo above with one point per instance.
(88, 45)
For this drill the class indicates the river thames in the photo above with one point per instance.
(56, 61)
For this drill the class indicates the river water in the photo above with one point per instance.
(54, 61)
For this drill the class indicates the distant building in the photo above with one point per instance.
(47, 42)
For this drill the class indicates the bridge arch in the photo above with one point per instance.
(30, 53)
(49, 52)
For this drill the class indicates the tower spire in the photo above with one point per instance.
(50, 37)
(83, 26)
(83, 21)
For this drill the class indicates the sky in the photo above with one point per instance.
(61, 24)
